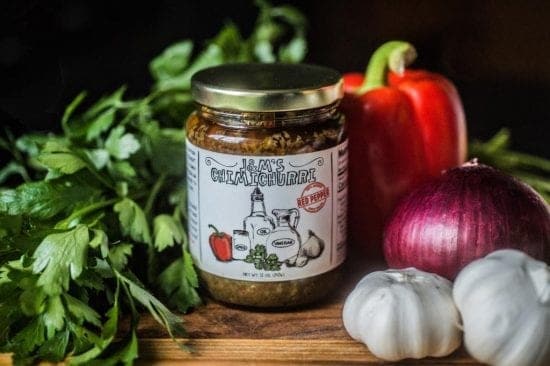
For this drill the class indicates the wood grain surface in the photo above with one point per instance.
(220, 335)
(226, 335)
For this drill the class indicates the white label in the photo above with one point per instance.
(267, 218)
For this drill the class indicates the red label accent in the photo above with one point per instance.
(313, 197)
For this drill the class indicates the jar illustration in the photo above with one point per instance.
(258, 224)
(285, 240)
(241, 244)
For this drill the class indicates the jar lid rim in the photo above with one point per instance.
(256, 87)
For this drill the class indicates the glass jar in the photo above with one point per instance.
(267, 162)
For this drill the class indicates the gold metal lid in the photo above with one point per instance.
(275, 87)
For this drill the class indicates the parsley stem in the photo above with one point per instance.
(123, 281)
(533, 170)
(11, 146)
(84, 211)
(151, 264)
(154, 192)
(98, 176)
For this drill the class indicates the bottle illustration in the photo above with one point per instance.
(284, 239)
(258, 224)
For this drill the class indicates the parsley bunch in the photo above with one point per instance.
(92, 221)
(261, 260)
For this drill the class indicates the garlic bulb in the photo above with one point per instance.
(403, 314)
(504, 300)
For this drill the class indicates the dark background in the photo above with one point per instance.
(497, 53)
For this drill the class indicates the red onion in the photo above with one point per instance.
(465, 214)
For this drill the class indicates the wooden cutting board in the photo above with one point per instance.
(224, 335)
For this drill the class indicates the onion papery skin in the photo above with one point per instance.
(465, 214)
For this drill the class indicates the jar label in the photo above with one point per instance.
(267, 218)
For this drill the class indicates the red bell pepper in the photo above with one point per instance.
(405, 126)
(220, 243)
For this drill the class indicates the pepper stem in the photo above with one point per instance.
(217, 233)
(393, 55)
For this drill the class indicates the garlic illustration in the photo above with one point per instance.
(312, 248)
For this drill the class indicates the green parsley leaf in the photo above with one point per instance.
(232, 44)
(54, 316)
(264, 51)
(294, 51)
(172, 61)
(56, 145)
(121, 145)
(158, 310)
(179, 282)
(113, 100)
(83, 343)
(168, 151)
(97, 119)
(60, 257)
(129, 353)
(81, 311)
(126, 355)
(44, 199)
(55, 348)
(91, 278)
(98, 157)
(100, 240)
(122, 170)
(100, 124)
(28, 338)
(132, 220)
(66, 163)
(118, 255)
(211, 56)
(70, 110)
(31, 144)
(167, 232)
(108, 333)
(32, 298)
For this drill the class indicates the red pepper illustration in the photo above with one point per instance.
(220, 243)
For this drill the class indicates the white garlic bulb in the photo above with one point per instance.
(403, 314)
(504, 300)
